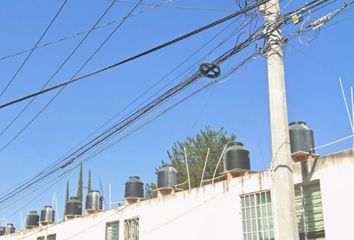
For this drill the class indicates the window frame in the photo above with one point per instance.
(252, 205)
(108, 224)
(137, 227)
(257, 232)
(51, 235)
(305, 188)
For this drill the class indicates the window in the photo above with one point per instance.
(257, 216)
(112, 231)
(131, 229)
(41, 238)
(257, 221)
(309, 211)
(52, 237)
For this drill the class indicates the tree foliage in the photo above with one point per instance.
(89, 182)
(67, 192)
(79, 186)
(196, 149)
(149, 190)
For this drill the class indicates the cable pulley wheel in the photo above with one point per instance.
(210, 70)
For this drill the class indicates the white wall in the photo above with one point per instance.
(213, 211)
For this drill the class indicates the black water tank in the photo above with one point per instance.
(2, 231)
(73, 207)
(47, 215)
(32, 219)
(9, 228)
(167, 177)
(301, 137)
(236, 156)
(134, 188)
(94, 201)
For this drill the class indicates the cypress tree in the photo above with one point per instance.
(66, 195)
(89, 182)
(79, 186)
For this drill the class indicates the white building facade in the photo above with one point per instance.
(238, 208)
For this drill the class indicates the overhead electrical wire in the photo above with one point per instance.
(179, 7)
(238, 29)
(83, 32)
(328, 17)
(180, 75)
(125, 123)
(140, 112)
(120, 126)
(161, 113)
(262, 52)
(66, 164)
(143, 125)
(33, 49)
(205, 86)
(75, 74)
(344, 18)
(67, 58)
(160, 80)
(216, 35)
(152, 105)
(60, 67)
(139, 55)
(165, 76)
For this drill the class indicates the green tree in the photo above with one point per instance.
(149, 190)
(79, 186)
(89, 182)
(196, 149)
(67, 192)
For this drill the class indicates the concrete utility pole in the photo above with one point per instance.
(282, 188)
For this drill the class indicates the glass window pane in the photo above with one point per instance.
(248, 213)
(131, 229)
(253, 212)
(309, 210)
(112, 231)
(252, 202)
(52, 237)
(256, 215)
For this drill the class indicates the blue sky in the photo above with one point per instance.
(240, 105)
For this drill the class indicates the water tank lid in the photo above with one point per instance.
(32, 211)
(166, 165)
(9, 224)
(74, 198)
(134, 177)
(95, 191)
(48, 206)
(297, 122)
(235, 144)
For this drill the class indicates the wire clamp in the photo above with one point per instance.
(210, 70)
(295, 18)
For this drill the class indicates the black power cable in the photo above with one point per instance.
(53, 76)
(40, 174)
(76, 73)
(128, 121)
(122, 125)
(149, 51)
(184, 99)
(77, 34)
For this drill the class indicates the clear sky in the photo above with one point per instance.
(240, 105)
